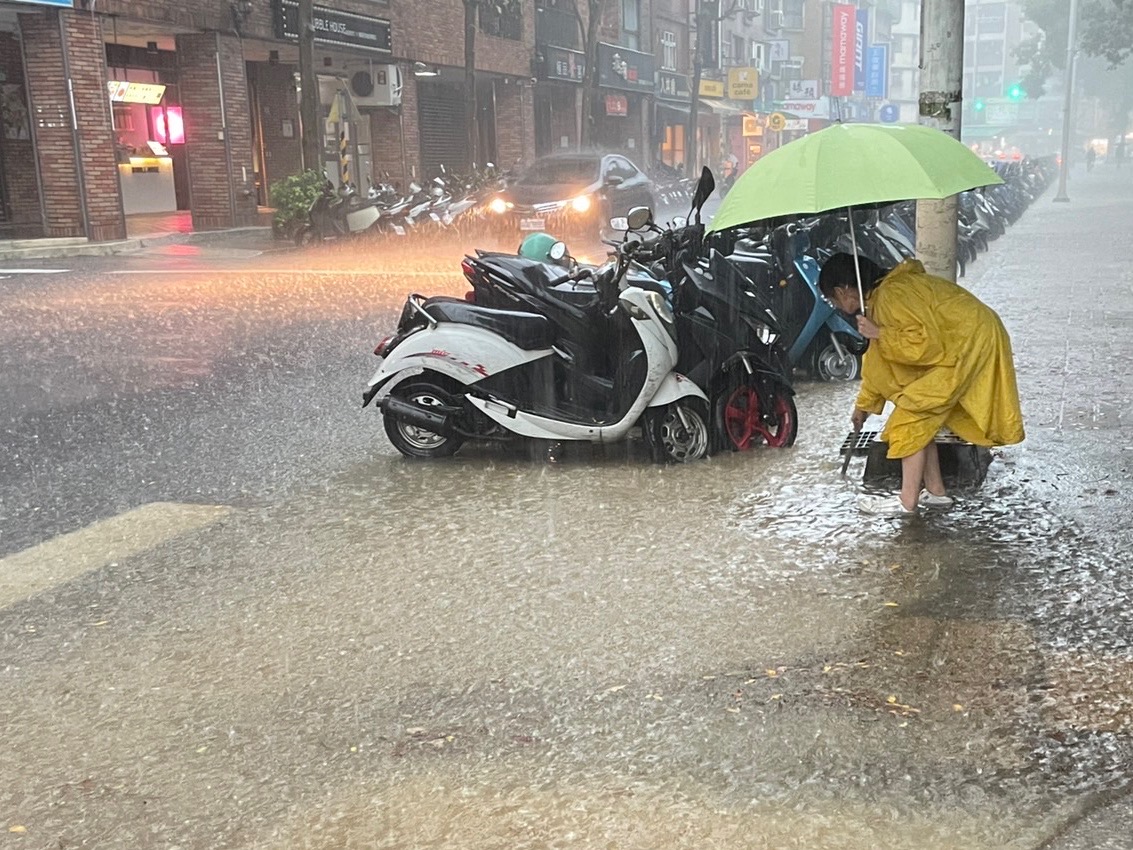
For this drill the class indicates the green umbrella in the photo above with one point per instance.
(848, 165)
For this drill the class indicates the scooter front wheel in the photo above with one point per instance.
(677, 432)
(748, 418)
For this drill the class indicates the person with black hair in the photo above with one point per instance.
(940, 355)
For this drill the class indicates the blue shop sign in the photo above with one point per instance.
(64, 4)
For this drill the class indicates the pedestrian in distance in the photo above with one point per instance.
(941, 356)
(1091, 157)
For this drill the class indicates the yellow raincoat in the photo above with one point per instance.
(943, 359)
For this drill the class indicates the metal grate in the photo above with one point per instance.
(859, 442)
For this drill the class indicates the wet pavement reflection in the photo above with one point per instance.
(499, 651)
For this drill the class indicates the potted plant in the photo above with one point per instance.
(291, 198)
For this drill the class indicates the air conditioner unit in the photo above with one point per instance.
(759, 56)
(378, 85)
(775, 19)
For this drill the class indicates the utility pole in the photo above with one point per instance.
(312, 130)
(941, 101)
(1068, 107)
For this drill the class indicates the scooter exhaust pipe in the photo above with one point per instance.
(417, 416)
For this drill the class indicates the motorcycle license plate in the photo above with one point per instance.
(435, 217)
(531, 224)
(399, 230)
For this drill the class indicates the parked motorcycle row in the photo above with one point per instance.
(655, 337)
(448, 201)
(693, 339)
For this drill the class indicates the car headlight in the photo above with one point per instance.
(581, 204)
(498, 206)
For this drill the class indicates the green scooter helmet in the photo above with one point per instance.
(544, 248)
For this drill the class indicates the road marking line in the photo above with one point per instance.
(105, 542)
(34, 271)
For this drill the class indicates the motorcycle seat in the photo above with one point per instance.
(529, 331)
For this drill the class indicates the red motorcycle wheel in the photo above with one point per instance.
(746, 425)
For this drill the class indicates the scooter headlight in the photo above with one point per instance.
(762, 332)
(498, 206)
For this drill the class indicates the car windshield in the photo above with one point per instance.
(551, 172)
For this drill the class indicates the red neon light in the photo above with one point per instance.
(176, 134)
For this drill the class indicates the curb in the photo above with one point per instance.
(48, 251)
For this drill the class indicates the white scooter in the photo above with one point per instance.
(456, 371)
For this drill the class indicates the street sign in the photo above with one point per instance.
(889, 114)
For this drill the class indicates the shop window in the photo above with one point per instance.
(502, 20)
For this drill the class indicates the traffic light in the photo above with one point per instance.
(1015, 92)
(979, 105)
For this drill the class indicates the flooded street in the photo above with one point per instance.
(352, 650)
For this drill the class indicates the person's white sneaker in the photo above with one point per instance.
(883, 505)
(930, 500)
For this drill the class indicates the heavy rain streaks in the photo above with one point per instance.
(318, 643)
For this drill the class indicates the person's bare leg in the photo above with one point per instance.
(933, 481)
(912, 478)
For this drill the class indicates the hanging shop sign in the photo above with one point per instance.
(622, 68)
(818, 108)
(802, 89)
(711, 88)
(617, 104)
(336, 28)
(776, 121)
(751, 126)
(64, 4)
(743, 83)
(842, 50)
(794, 125)
(561, 63)
(672, 86)
(877, 71)
(122, 91)
(861, 39)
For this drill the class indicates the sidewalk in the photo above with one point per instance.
(1065, 292)
(142, 231)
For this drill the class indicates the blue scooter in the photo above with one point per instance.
(819, 338)
(829, 344)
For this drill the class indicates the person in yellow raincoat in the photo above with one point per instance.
(941, 356)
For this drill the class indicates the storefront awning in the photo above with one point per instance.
(722, 108)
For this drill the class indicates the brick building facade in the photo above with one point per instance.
(205, 116)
